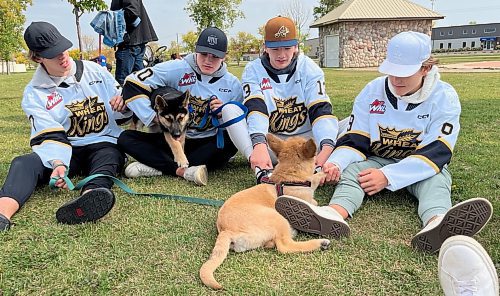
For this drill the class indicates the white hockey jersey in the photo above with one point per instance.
(181, 75)
(421, 137)
(75, 113)
(290, 104)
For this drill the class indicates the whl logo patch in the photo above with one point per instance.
(377, 107)
(52, 100)
(265, 84)
(187, 79)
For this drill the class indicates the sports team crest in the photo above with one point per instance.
(187, 79)
(377, 107)
(395, 143)
(52, 100)
(88, 116)
(288, 115)
(197, 110)
(282, 32)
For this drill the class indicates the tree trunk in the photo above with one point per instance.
(78, 31)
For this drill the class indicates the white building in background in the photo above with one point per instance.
(11, 67)
(486, 36)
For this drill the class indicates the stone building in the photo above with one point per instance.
(355, 34)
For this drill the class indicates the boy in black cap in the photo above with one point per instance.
(204, 75)
(72, 107)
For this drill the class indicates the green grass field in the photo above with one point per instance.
(149, 246)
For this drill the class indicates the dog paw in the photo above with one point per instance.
(325, 244)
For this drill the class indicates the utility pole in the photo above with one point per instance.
(432, 4)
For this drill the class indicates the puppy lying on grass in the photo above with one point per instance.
(248, 219)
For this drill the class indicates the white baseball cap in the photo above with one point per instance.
(405, 54)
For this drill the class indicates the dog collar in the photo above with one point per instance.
(279, 186)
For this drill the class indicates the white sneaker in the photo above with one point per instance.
(306, 217)
(465, 218)
(197, 174)
(137, 169)
(465, 268)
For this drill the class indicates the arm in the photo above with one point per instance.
(132, 12)
(48, 137)
(257, 118)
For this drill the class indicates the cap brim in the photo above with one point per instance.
(215, 52)
(286, 43)
(398, 70)
(57, 49)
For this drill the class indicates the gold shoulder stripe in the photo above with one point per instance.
(317, 102)
(427, 161)
(258, 113)
(254, 97)
(53, 142)
(324, 116)
(361, 133)
(352, 149)
(141, 96)
(49, 130)
(446, 143)
(143, 86)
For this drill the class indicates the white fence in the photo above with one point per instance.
(11, 67)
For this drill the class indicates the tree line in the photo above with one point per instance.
(204, 13)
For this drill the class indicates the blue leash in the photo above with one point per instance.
(215, 121)
(124, 187)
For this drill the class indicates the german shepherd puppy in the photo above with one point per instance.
(171, 107)
(248, 219)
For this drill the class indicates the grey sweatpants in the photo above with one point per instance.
(433, 194)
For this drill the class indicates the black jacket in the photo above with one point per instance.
(133, 9)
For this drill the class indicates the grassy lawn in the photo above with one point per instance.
(148, 246)
(467, 58)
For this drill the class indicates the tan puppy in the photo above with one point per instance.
(248, 220)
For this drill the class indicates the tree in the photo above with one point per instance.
(89, 45)
(189, 40)
(300, 16)
(325, 6)
(243, 43)
(79, 8)
(11, 27)
(218, 13)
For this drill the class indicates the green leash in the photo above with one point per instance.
(124, 187)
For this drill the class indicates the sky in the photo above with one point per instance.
(171, 21)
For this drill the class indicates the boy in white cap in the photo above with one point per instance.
(401, 134)
(286, 96)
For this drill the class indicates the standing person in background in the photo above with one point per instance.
(130, 53)
(285, 95)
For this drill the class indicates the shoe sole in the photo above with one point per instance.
(473, 245)
(302, 217)
(466, 218)
(202, 176)
(89, 207)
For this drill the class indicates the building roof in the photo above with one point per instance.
(369, 10)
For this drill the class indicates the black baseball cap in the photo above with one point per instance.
(45, 40)
(212, 40)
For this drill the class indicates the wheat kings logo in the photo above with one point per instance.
(198, 109)
(396, 143)
(288, 115)
(88, 116)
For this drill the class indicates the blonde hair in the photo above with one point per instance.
(431, 61)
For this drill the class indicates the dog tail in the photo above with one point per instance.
(219, 253)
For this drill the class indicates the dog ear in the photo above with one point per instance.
(160, 103)
(274, 143)
(309, 148)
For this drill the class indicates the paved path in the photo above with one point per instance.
(493, 66)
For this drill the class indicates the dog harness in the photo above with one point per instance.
(279, 186)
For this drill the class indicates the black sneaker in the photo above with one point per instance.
(262, 174)
(4, 223)
(89, 207)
